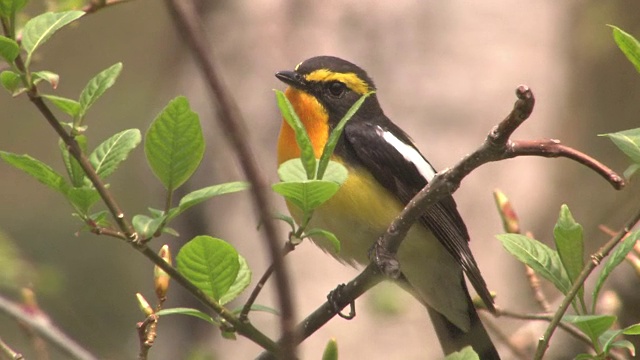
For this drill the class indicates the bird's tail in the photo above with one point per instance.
(454, 339)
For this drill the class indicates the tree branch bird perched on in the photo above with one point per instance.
(385, 170)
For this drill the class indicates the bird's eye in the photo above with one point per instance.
(337, 89)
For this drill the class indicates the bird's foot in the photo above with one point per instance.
(335, 300)
(385, 260)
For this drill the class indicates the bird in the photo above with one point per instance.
(385, 171)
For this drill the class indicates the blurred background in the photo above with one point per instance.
(446, 72)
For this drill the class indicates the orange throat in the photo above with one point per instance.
(315, 120)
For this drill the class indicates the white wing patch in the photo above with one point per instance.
(409, 153)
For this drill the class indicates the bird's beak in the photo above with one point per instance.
(292, 78)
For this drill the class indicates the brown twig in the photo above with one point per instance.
(552, 148)
(367, 279)
(147, 332)
(496, 147)
(187, 20)
(244, 315)
(534, 284)
(45, 328)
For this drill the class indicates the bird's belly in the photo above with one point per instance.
(360, 212)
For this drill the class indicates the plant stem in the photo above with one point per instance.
(596, 258)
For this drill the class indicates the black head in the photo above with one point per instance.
(336, 83)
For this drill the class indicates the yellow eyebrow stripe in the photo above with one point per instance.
(353, 81)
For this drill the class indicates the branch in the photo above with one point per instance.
(126, 231)
(367, 279)
(186, 19)
(9, 352)
(45, 328)
(96, 5)
(243, 328)
(496, 147)
(74, 149)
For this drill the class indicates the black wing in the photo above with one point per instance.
(402, 178)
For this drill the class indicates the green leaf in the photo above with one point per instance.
(97, 86)
(625, 344)
(74, 170)
(174, 144)
(8, 8)
(628, 173)
(242, 281)
(328, 235)
(591, 325)
(307, 155)
(187, 311)
(107, 156)
(293, 171)
(629, 46)
(145, 226)
(9, 49)
(68, 106)
(632, 330)
(569, 242)
(307, 195)
(210, 263)
(40, 28)
(607, 338)
(288, 219)
(467, 353)
(616, 257)
(196, 197)
(83, 198)
(335, 172)
(628, 142)
(37, 169)
(12, 82)
(48, 76)
(335, 135)
(331, 350)
(539, 257)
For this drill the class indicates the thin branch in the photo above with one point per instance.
(534, 284)
(147, 332)
(9, 352)
(367, 279)
(74, 149)
(596, 258)
(187, 20)
(243, 328)
(553, 148)
(496, 147)
(244, 315)
(96, 5)
(45, 328)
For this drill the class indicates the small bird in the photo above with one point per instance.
(385, 171)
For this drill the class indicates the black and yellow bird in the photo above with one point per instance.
(385, 171)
